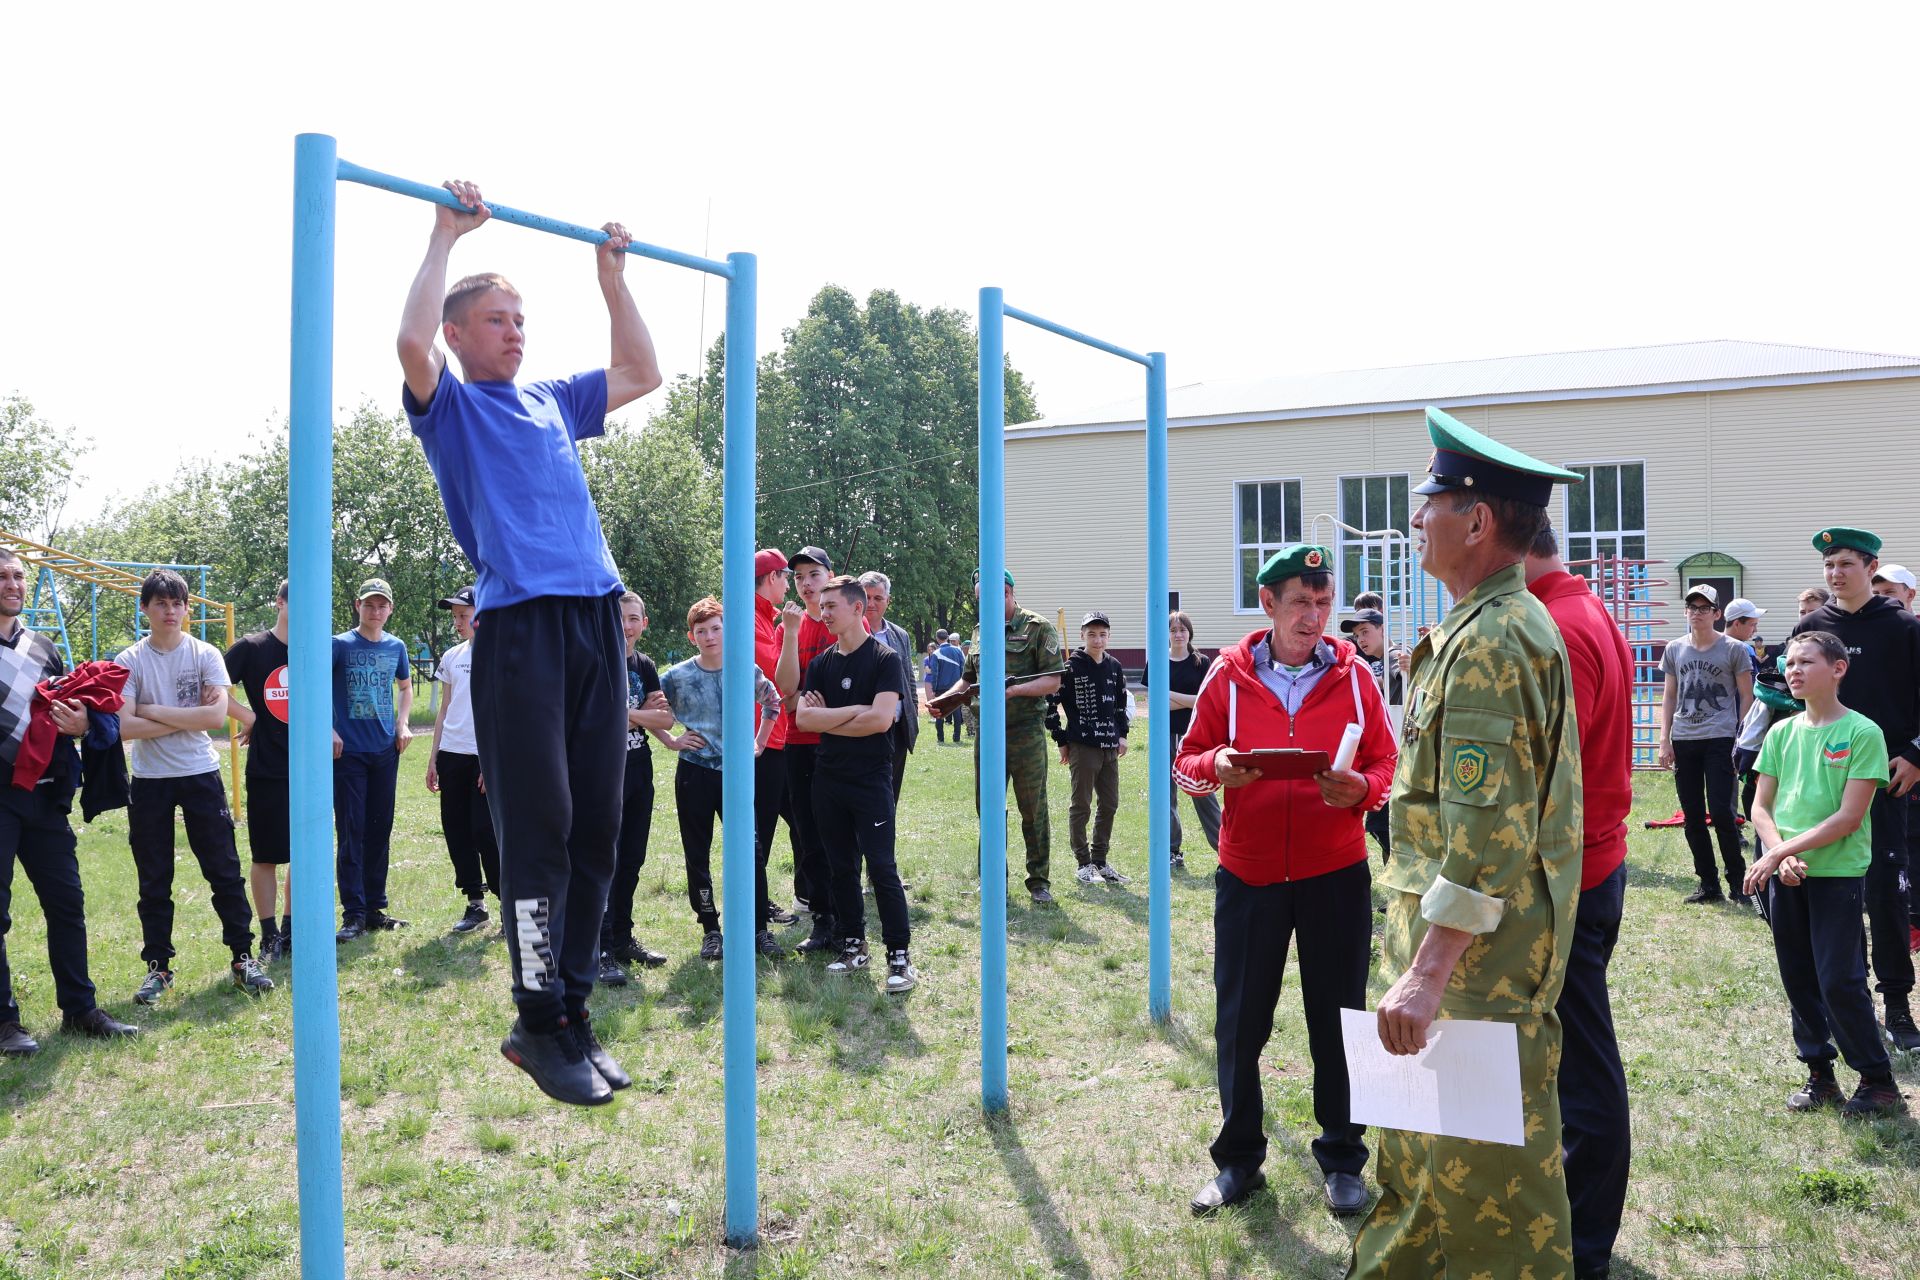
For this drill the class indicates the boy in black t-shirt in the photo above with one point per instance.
(1093, 694)
(646, 709)
(849, 697)
(258, 664)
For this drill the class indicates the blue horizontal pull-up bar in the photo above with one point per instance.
(350, 172)
(1041, 322)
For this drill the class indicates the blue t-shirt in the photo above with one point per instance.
(508, 464)
(946, 666)
(364, 672)
(694, 694)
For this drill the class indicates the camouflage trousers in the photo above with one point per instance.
(1476, 1210)
(1027, 777)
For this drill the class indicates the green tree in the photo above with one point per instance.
(36, 470)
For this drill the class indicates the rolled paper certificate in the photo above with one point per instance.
(1349, 747)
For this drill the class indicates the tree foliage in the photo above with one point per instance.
(36, 469)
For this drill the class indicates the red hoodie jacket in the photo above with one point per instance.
(96, 685)
(1277, 830)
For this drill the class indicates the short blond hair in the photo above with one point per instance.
(465, 292)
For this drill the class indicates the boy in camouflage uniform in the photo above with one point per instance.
(1485, 881)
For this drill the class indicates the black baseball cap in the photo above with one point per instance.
(1365, 615)
(463, 596)
(1095, 618)
(810, 555)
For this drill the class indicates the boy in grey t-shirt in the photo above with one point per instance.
(1708, 687)
(176, 693)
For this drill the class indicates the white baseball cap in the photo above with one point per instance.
(1895, 573)
(1743, 608)
(1705, 592)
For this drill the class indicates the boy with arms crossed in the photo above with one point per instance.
(850, 697)
(1819, 772)
(646, 710)
(175, 695)
(550, 687)
(453, 772)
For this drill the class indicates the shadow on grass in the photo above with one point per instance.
(1037, 1199)
(1894, 1142)
(1641, 876)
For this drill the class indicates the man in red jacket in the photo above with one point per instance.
(1293, 860)
(1593, 1085)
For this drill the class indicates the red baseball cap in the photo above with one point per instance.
(769, 560)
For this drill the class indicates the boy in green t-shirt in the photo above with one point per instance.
(1818, 771)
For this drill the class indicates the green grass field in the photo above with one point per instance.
(172, 1156)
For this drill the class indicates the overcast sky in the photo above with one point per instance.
(1254, 189)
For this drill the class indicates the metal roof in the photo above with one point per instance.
(1669, 369)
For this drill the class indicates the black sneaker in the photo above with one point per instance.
(901, 975)
(351, 927)
(270, 949)
(557, 1063)
(777, 914)
(852, 958)
(817, 942)
(378, 919)
(1820, 1090)
(154, 985)
(769, 946)
(1901, 1031)
(1875, 1098)
(15, 1042)
(250, 977)
(610, 974)
(631, 952)
(710, 945)
(475, 916)
(1704, 895)
(97, 1024)
(1176, 860)
(602, 1062)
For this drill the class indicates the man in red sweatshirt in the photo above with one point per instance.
(1293, 861)
(1593, 1085)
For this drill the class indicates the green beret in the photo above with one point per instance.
(1291, 562)
(976, 577)
(1466, 459)
(1837, 537)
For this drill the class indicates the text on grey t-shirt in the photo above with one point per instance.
(1708, 705)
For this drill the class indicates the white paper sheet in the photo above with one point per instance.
(1464, 1084)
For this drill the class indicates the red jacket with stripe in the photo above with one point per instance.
(1276, 830)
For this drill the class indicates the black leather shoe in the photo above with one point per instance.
(612, 1072)
(557, 1064)
(15, 1042)
(1229, 1186)
(1347, 1194)
(350, 928)
(97, 1024)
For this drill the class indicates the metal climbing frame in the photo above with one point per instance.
(1625, 587)
(1402, 586)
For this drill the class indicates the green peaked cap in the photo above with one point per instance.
(1466, 459)
(1838, 536)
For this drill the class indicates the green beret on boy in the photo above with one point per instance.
(1292, 561)
(1838, 537)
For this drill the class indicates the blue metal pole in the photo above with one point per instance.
(740, 715)
(1041, 322)
(1159, 710)
(316, 999)
(991, 724)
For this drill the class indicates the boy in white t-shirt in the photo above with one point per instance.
(453, 772)
(175, 695)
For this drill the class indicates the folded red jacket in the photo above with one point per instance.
(96, 685)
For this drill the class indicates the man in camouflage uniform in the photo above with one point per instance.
(1486, 807)
(1033, 646)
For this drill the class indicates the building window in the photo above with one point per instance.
(1267, 518)
(1607, 513)
(1372, 503)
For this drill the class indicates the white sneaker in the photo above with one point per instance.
(1088, 874)
(852, 958)
(1111, 876)
(901, 975)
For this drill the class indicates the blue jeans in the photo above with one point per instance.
(363, 786)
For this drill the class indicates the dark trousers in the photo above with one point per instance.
(1816, 939)
(363, 790)
(1332, 916)
(34, 833)
(550, 712)
(855, 813)
(1380, 827)
(812, 880)
(698, 796)
(899, 765)
(769, 802)
(1594, 1123)
(1095, 775)
(630, 853)
(1885, 888)
(201, 799)
(1206, 808)
(1703, 775)
(1913, 854)
(467, 825)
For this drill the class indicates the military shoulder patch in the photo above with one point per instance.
(1469, 767)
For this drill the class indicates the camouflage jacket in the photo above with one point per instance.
(1486, 802)
(1033, 646)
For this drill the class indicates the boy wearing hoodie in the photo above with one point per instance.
(1093, 697)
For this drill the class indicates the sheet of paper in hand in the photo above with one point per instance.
(1464, 1084)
